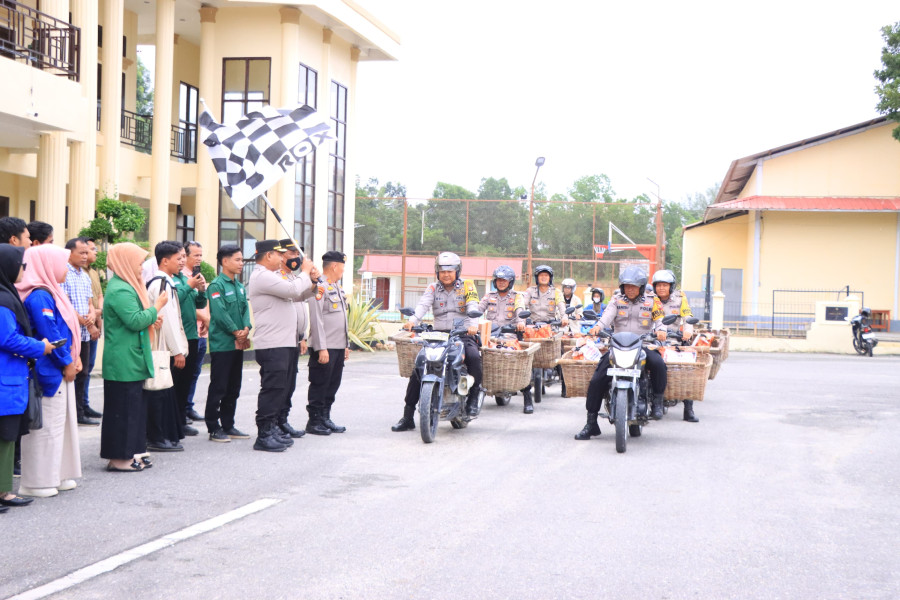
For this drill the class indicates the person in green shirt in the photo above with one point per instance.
(229, 328)
(191, 296)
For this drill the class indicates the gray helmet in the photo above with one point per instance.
(447, 261)
(543, 269)
(633, 275)
(664, 276)
(504, 272)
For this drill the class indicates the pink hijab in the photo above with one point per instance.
(46, 266)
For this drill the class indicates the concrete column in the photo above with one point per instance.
(111, 96)
(52, 172)
(83, 155)
(323, 170)
(56, 8)
(282, 195)
(349, 183)
(207, 201)
(162, 120)
(718, 311)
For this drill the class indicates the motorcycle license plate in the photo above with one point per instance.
(868, 336)
(616, 371)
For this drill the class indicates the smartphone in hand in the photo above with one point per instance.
(58, 343)
(195, 271)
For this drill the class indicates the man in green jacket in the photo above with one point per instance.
(229, 326)
(191, 296)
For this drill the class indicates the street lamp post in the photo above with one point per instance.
(659, 262)
(538, 164)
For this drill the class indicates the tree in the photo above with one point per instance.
(144, 89)
(678, 214)
(888, 88)
(116, 221)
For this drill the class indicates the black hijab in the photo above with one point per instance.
(10, 263)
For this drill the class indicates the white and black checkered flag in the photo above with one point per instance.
(254, 153)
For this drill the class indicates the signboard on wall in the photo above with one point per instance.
(836, 313)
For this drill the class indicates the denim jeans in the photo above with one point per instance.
(201, 352)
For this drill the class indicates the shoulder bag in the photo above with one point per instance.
(162, 373)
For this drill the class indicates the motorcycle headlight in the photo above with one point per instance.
(626, 358)
(433, 354)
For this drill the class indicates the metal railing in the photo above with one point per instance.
(137, 131)
(40, 40)
(184, 143)
(794, 310)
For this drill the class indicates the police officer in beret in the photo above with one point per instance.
(329, 343)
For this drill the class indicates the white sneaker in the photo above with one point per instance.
(38, 492)
(66, 485)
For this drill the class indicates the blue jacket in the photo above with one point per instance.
(15, 349)
(47, 322)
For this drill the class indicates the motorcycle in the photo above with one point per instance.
(863, 338)
(544, 377)
(445, 381)
(502, 399)
(627, 405)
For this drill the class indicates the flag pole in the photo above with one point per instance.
(280, 222)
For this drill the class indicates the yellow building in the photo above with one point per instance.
(818, 214)
(69, 132)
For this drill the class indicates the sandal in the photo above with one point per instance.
(133, 468)
(146, 462)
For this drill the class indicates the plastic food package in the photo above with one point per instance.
(674, 355)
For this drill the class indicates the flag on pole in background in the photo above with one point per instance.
(251, 155)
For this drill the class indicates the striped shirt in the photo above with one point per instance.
(78, 288)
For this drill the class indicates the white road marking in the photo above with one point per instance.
(114, 562)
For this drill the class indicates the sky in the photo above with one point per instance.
(670, 91)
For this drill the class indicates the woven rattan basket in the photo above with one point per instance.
(549, 352)
(688, 381)
(507, 370)
(717, 350)
(407, 350)
(566, 344)
(577, 374)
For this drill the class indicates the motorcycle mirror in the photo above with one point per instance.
(692, 320)
(589, 315)
(571, 309)
(407, 312)
(474, 314)
(668, 320)
(524, 314)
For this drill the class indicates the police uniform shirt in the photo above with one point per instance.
(300, 305)
(635, 316)
(448, 305)
(272, 300)
(677, 304)
(544, 306)
(502, 310)
(328, 318)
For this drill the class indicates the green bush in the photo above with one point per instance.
(116, 221)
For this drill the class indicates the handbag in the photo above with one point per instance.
(34, 412)
(162, 373)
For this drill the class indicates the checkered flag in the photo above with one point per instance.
(254, 153)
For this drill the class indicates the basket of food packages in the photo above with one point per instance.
(549, 342)
(578, 366)
(507, 364)
(568, 341)
(687, 371)
(407, 346)
(711, 343)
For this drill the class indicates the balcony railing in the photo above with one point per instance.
(184, 143)
(39, 40)
(137, 131)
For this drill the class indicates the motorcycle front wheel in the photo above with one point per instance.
(501, 400)
(429, 410)
(620, 406)
(860, 348)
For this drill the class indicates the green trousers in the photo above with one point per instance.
(7, 451)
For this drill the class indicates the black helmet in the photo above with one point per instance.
(504, 272)
(632, 275)
(866, 312)
(597, 291)
(543, 269)
(447, 261)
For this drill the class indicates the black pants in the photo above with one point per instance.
(293, 369)
(182, 378)
(473, 366)
(81, 379)
(224, 388)
(274, 371)
(600, 381)
(324, 380)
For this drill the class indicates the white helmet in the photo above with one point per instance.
(664, 276)
(569, 282)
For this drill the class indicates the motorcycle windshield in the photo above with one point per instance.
(626, 340)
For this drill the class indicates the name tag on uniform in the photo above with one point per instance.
(229, 293)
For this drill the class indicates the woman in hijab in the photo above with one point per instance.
(16, 347)
(127, 362)
(51, 456)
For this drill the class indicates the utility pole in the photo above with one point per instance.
(538, 164)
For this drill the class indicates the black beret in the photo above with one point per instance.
(334, 256)
(264, 246)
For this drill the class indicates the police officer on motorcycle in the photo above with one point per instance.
(671, 301)
(545, 302)
(630, 310)
(568, 290)
(448, 299)
(502, 307)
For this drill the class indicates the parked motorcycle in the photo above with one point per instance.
(863, 338)
(445, 381)
(627, 405)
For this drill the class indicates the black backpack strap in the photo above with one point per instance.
(164, 280)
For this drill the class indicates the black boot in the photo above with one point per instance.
(591, 428)
(267, 441)
(658, 401)
(406, 423)
(315, 425)
(689, 412)
(529, 404)
(294, 433)
(326, 420)
(472, 403)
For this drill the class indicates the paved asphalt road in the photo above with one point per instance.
(787, 488)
